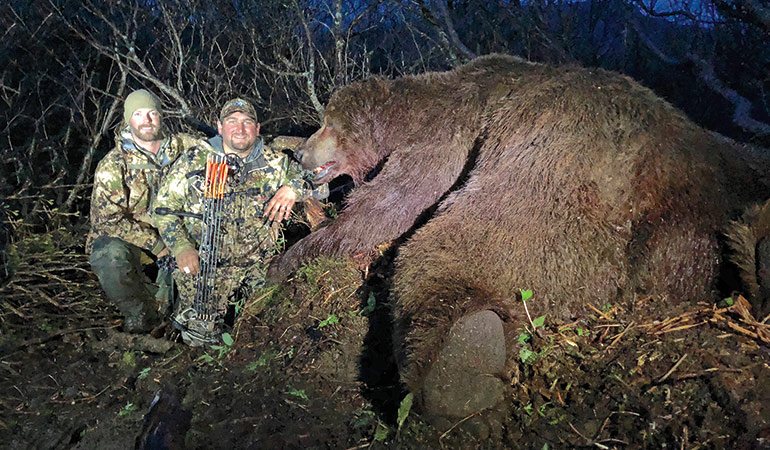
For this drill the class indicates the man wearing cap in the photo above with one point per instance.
(260, 192)
(123, 237)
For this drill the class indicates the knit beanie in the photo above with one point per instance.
(138, 100)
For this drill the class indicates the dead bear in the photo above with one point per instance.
(749, 240)
(578, 184)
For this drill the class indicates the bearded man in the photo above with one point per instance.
(123, 238)
(262, 188)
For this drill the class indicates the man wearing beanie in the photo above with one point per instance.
(261, 190)
(123, 237)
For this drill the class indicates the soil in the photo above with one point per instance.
(311, 367)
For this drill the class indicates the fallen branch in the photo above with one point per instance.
(746, 324)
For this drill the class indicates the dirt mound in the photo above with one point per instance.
(310, 366)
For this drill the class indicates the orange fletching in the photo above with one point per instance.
(222, 181)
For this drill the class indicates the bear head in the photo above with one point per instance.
(322, 153)
(346, 143)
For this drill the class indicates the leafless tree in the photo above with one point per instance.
(67, 64)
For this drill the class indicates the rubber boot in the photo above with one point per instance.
(118, 266)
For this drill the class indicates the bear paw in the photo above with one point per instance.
(467, 375)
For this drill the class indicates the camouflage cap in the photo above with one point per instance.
(238, 105)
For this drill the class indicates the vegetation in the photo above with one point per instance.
(66, 65)
(310, 364)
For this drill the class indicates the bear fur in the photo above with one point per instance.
(578, 184)
(749, 240)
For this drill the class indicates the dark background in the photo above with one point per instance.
(66, 65)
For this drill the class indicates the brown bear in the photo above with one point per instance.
(578, 184)
(749, 240)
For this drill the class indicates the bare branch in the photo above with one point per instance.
(441, 4)
(748, 10)
(428, 15)
(650, 10)
(742, 112)
(96, 139)
(310, 73)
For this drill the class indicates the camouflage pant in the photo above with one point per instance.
(119, 266)
(233, 285)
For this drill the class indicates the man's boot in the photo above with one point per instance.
(121, 274)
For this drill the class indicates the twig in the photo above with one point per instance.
(577, 432)
(458, 424)
(524, 302)
(603, 315)
(588, 441)
(87, 399)
(683, 327)
(670, 371)
(684, 437)
(616, 339)
(359, 446)
(687, 376)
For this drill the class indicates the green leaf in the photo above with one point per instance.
(381, 433)
(527, 356)
(371, 302)
(528, 409)
(330, 320)
(128, 409)
(404, 408)
(227, 339)
(262, 361)
(143, 373)
(129, 359)
(364, 420)
(526, 295)
(206, 358)
(538, 321)
(580, 332)
(524, 337)
(298, 393)
(729, 301)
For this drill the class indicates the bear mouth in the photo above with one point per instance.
(322, 172)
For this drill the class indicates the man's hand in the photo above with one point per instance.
(279, 207)
(187, 261)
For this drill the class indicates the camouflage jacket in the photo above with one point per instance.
(247, 237)
(125, 182)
